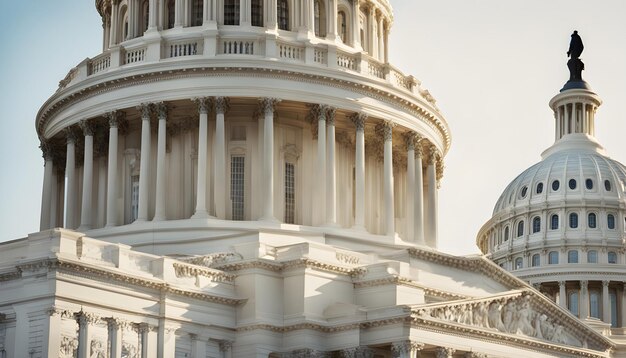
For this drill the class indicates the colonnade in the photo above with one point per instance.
(421, 218)
(574, 117)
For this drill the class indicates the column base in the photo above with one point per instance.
(270, 219)
(333, 225)
(159, 218)
(359, 228)
(83, 228)
(202, 214)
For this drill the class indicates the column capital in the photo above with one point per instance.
(70, 134)
(319, 111)
(222, 104)
(385, 130)
(474, 355)
(146, 110)
(47, 151)
(605, 283)
(398, 349)
(203, 104)
(225, 345)
(583, 284)
(330, 115)
(358, 119)
(87, 127)
(161, 110)
(410, 139)
(562, 284)
(443, 352)
(83, 317)
(268, 104)
(113, 117)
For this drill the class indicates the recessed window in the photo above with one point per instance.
(594, 304)
(518, 263)
(572, 184)
(610, 221)
(572, 257)
(520, 228)
(536, 260)
(342, 26)
(290, 193)
(612, 257)
(283, 15)
(592, 256)
(536, 224)
(539, 188)
(257, 12)
(237, 171)
(573, 220)
(592, 220)
(607, 185)
(589, 184)
(556, 185)
(572, 302)
(506, 233)
(554, 222)
(524, 191)
(553, 258)
(231, 12)
(196, 12)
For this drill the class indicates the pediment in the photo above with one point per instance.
(518, 315)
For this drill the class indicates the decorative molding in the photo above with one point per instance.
(358, 119)
(146, 110)
(87, 127)
(384, 130)
(187, 270)
(68, 347)
(203, 104)
(330, 115)
(267, 105)
(222, 104)
(161, 110)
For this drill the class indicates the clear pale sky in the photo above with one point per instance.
(492, 65)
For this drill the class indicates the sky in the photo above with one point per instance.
(492, 65)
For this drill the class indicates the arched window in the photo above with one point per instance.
(592, 256)
(124, 24)
(231, 12)
(573, 220)
(607, 185)
(572, 257)
(283, 14)
(589, 184)
(553, 258)
(145, 15)
(612, 257)
(320, 19)
(572, 303)
(610, 221)
(257, 12)
(556, 185)
(524, 191)
(290, 193)
(591, 221)
(519, 263)
(594, 304)
(342, 26)
(520, 228)
(572, 184)
(506, 233)
(171, 13)
(536, 224)
(197, 12)
(539, 188)
(536, 260)
(554, 222)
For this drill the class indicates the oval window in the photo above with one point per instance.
(524, 191)
(539, 188)
(556, 185)
(607, 185)
(572, 184)
(589, 184)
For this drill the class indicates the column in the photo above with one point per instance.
(331, 174)
(198, 347)
(584, 300)
(319, 112)
(331, 17)
(179, 12)
(101, 199)
(46, 192)
(406, 349)
(371, 31)
(112, 185)
(381, 48)
(159, 207)
(272, 15)
(562, 295)
(115, 337)
(386, 34)
(356, 33)
(431, 217)
(153, 12)
(267, 107)
(226, 347)
(85, 321)
(55, 205)
(144, 165)
(606, 302)
(359, 167)
(132, 13)
(386, 129)
(623, 305)
(70, 171)
(203, 145)
(115, 8)
(85, 216)
(442, 352)
(219, 184)
(418, 210)
(409, 139)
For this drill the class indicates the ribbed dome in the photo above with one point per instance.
(576, 161)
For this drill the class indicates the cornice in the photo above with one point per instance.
(291, 265)
(407, 282)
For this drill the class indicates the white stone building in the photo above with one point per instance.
(247, 178)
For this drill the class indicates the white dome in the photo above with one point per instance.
(576, 161)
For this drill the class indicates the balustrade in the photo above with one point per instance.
(346, 61)
(290, 52)
(134, 56)
(182, 49)
(100, 63)
(238, 47)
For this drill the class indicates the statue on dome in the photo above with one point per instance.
(575, 65)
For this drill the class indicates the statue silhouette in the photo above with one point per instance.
(575, 65)
(575, 46)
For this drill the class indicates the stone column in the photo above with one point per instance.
(132, 21)
(159, 210)
(85, 216)
(386, 131)
(112, 185)
(356, 33)
(623, 305)
(198, 347)
(371, 30)
(153, 12)
(179, 13)
(55, 205)
(70, 172)
(386, 34)
(331, 174)
(267, 107)
(319, 113)
(359, 215)
(46, 192)
(380, 54)
(226, 347)
(562, 295)
(331, 19)
(115, 337)
(606, 302)
(409, 139)
(431, 217)
(115, 8)
(419, 195)
(219, 184)
(144, 165)
(203, 145)
(406, 349)
(272, 15)
(584, 300)
(85, 321)
(442, 352)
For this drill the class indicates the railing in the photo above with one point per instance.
(346, 61)
(182, 49)
(290, 52)
(237, 47)
(100, 63)
(375, 69)
(319, 56)
(133, 56)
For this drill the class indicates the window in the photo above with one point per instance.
(556, 185)
(612, 257)
(592, 256)
(134, 197)
(520, 228)
(554, 222)
(573, 220)
(283, 14)
(589, 184)
(290, 193)
(237, 168)
(572, 184)
(610, 221)
(594, 304)
(145, 14)
(553, 258)
(524, 191)
(257, 12)
(197, 12)
(342, 26)
(518, 263)
(171, 13)
(320, 23)
(536, 224)
(536, 260)
(591, 221)
(231, 12)
(506, 233)
(539, 188)
(572, 303)
(607, 185)
(572, 257)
